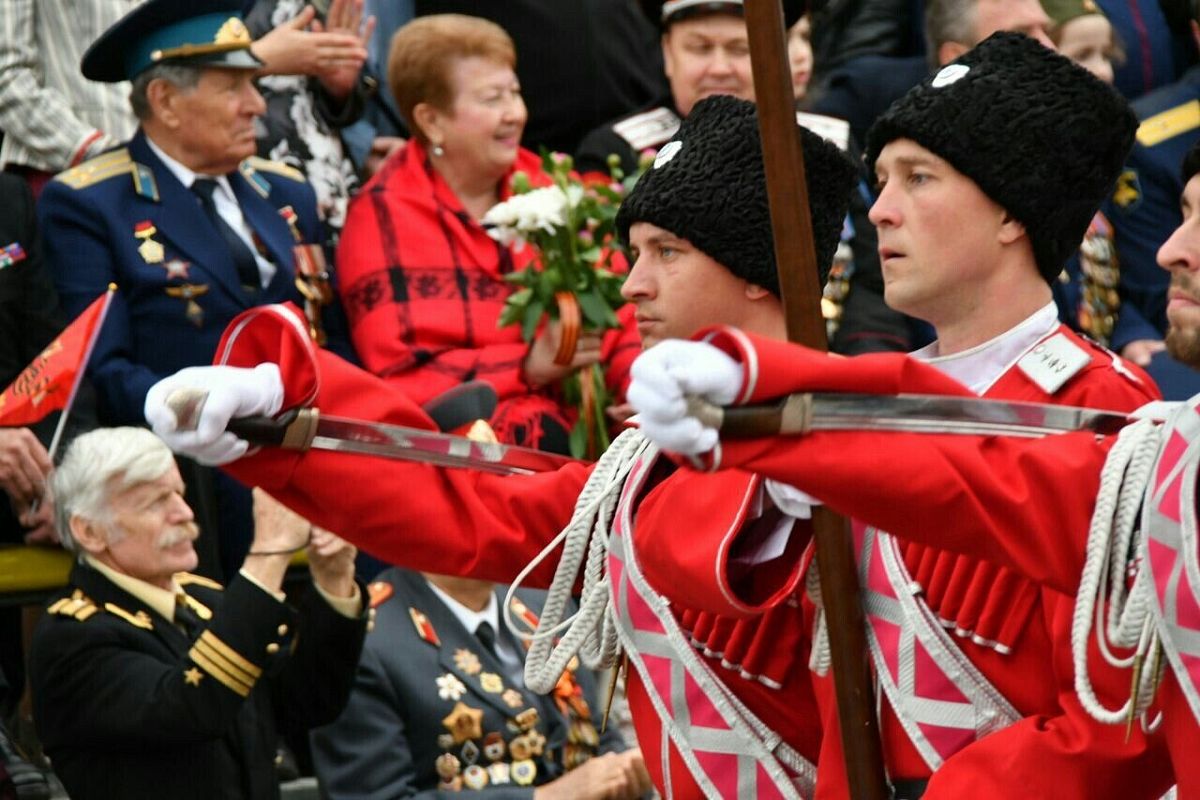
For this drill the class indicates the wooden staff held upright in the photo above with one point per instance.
(799, 288)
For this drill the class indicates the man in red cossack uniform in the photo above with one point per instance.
(1044, 508)
(722, 705)
(975, 666)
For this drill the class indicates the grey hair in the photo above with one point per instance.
(184, 76)
(949, 21)
(96, 465)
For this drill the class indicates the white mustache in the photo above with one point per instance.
(179, 533)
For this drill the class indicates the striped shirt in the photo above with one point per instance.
(52, 117)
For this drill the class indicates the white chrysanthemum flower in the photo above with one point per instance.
(540, 210)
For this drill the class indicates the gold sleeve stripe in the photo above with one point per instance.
(186, 578)
(205, 649)
(233, 656)
(231, 683)
(1169, 124)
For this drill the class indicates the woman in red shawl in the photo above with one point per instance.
(422, 280)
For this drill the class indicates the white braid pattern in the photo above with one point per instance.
(819, 659)
(1121, 616)
(591, 632)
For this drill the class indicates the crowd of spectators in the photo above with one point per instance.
(342, 155)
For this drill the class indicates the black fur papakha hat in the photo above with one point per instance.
(708, 186)
(1040, 135)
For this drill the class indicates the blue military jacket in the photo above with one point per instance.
(123, 217)
(1144, 206)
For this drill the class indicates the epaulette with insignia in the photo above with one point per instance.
(379, 592)
(253, 165)
(424, 627)
(1054, 361)
(1169, 124)
(648, 129)
(110, 165)
(77, 605)
(189, 578)
(139, 620)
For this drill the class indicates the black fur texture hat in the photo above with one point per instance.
(708, 186)
(1039, 134)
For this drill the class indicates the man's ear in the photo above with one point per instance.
(948, 51)
(89, 535)
(756, 292)
(1011, 229)
(163, 97)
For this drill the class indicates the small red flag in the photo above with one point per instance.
(50, 381)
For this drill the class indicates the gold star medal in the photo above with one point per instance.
(491, 683)
(464, 722)
(467, 661)
(152, 252)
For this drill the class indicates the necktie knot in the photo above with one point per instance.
(486, 636)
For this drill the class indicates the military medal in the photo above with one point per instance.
(11, 254)
(537, 742)
(512, 698)
(499, 772)
(176, 268)
(450, 687)
(424, 627)
(151, 251)
(520, 748)
(526, 719)
(524, 772)
(494, 746)
(469, 752)
(445, 741)
(447, 766)
(290, 217)
(464, 723)
(475, 777)
(312, 281)
(491, 683)
(189, 292)
(467, 661)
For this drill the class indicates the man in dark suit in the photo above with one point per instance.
(150, 682)
(440, 705)
(190, 226)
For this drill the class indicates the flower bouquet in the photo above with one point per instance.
(571, 224)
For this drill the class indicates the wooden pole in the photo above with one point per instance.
(800, 290)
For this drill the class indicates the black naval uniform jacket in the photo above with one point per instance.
(128, 706)
(420, 670)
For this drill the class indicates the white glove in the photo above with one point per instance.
(665, 376)
(232, 392)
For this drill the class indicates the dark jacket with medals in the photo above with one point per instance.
(433, 712)
(128, 706)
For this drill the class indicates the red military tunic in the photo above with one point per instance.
(488, 526)
(1022, 504)
(423, 285)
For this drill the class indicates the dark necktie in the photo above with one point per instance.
(487, 637)
(186, 618)
(247, 267)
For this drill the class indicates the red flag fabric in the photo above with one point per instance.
(49, 382)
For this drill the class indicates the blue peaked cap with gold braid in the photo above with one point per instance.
(209, 33)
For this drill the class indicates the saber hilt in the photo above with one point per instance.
(292, 430)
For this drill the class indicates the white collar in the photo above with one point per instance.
(982, 365)
(187, 176)
(471, 619)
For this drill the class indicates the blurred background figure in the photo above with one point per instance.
(800, 56)
(423, 282)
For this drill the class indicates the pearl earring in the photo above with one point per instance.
(438, 151)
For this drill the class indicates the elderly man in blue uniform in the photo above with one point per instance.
(183, 219)
(440, 704)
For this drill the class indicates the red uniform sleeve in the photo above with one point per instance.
(1022, 503)
(454, 521)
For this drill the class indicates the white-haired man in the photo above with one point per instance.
(149, 681)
